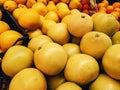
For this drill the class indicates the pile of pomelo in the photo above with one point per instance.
(73, 45)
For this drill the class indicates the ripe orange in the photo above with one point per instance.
(51, 6)
(30, 3)
(20, 1)
(10, 5)
(4, 26)
(8, 38)
(2, 2)
(116, 4)
(81, 69)
(29, 20)
(109, 9)
(111, 58)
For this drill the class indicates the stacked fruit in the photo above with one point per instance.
(113, 9)
(68, 48)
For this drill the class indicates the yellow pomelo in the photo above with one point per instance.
(15, 59)
(28, 79)
(38, 41)
(51, 58)
(111, 61)
(54, 81)
(105, 23)
(92, 40)
(71, 48)
(116, 38)
(59, 33)
(81, 69)
(79, 24)
(68, 86)
(104, 82)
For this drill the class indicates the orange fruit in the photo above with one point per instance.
(29, 20)
(104, 82)
(111, 58)
(20, 1)
(2, 2)
(51, 6)
(51, 58)
(8, 38)
(43, 1)
(17, 12)
(0, 14)
(40, 8)
(93, 39)
(30, 3)
(106, 3)
(10, 5)
(99, 5)
(109, 9)
(68, 86)
(115, 14)
(116, 4)
(4, 26)
(77, 66)
(29, 79)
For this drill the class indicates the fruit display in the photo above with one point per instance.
(59, 45)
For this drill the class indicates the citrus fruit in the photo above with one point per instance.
(81, 69)
(90, 41)
(38, 41)
(51, 58)
(15, 59)
(68, 86)
(104, 82)
(28, 79)
(8, 38)
(29, 20)
(71, 48)
(79, 24)
(4, 26)
(111, 61)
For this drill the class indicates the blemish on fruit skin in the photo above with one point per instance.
(96, 35)
(39, 48)
(82, 16)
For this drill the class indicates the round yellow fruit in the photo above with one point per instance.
(111, 61)
(38, 41)
(68, 86)
(28, 79)
(81, 69)
(79, 24)
(92, 40)
(116, 38)
(104, 82)
(105, 23)
(51, 58)
(15, 59)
